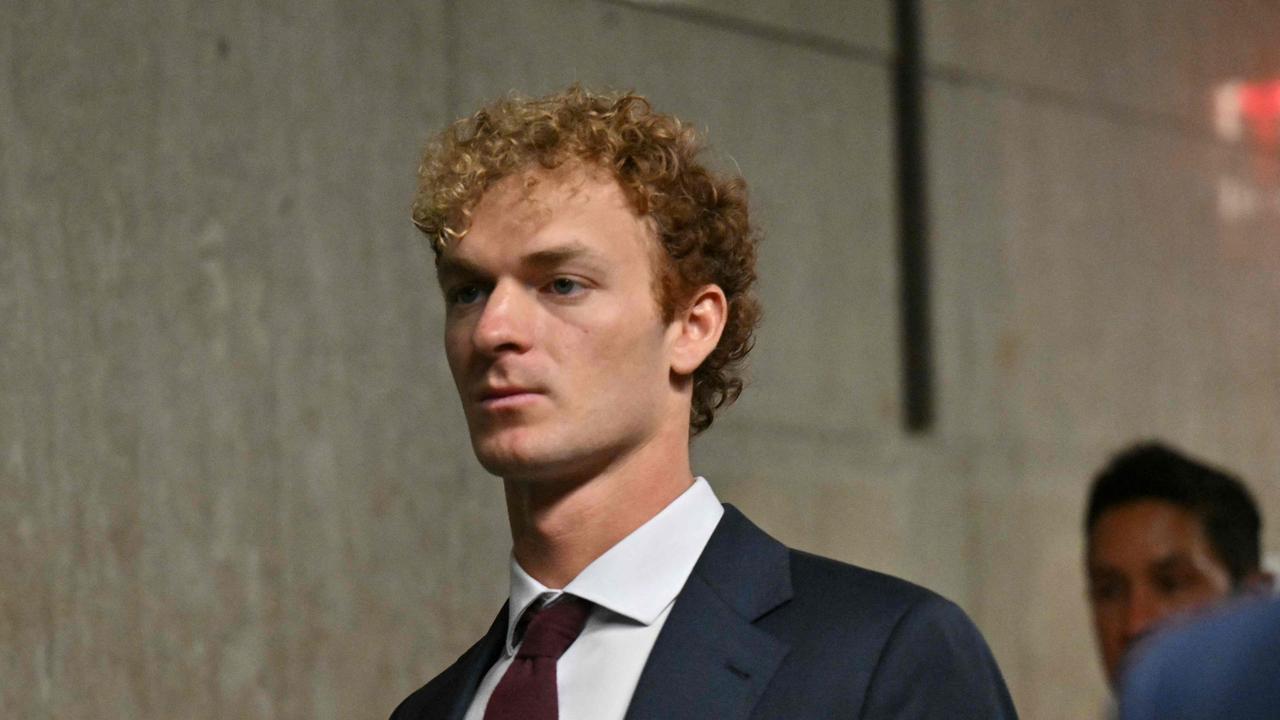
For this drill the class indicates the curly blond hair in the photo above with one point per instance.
(700, 217)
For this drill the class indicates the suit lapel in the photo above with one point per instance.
(710, 661)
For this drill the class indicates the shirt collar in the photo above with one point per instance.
(640, 575)
(525, 591)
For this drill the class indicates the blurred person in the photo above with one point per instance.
(1223, 667)
(598, 282)
(1167, 536)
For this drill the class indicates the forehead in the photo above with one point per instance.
(1144, 531)
(526, 201)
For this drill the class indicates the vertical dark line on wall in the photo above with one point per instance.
(913, 220)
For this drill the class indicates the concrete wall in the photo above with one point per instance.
(1089, 288)
(234, 480)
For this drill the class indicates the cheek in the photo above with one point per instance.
(1210, 592)
(1104, 618)
(638, 354)
(625, 337)
(1109, 617)
(456, 348)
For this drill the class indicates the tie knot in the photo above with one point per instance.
(554, 628)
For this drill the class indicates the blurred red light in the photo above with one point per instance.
(1260, 106)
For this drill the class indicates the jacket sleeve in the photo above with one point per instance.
(936, 665)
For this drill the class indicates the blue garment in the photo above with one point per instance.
(1224, 666)
(764, 632)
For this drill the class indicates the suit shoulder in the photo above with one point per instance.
(878, 613)
(845, 586)
(910, 652)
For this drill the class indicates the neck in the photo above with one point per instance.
(560, 527)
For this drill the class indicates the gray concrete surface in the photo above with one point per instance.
(234, 481)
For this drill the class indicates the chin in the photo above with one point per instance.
(509, 454)
(518, 456)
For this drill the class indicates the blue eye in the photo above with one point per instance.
(465, 294)
(565, 286)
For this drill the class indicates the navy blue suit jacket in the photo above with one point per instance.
(1225, 666)
(760, 631)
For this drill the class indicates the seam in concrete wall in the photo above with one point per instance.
(1032, 94)
(762, 31)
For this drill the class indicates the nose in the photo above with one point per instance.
(1141, 615)
(504, 323)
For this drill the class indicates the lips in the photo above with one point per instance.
(506, 397)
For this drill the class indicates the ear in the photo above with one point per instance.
(695, 331)
(1261, 583)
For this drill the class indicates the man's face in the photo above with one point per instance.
(1148, 560)
(552, 330)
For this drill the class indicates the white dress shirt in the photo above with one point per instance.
(633, 585)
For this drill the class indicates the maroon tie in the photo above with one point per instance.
(527, 691)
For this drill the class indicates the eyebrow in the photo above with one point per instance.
(560, 254)
(451, 267)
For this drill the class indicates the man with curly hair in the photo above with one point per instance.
(598, 282)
